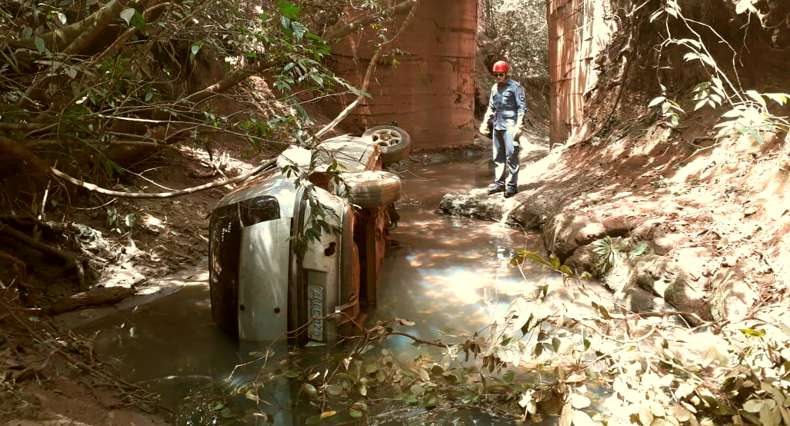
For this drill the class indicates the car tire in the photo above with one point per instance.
(394, 143)
(372, 189)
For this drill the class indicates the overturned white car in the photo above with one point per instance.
(301, 260)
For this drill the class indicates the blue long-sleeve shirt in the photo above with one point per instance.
(507, 104)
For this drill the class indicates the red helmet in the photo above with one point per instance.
(500, 66)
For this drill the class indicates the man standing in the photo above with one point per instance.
(505, 114)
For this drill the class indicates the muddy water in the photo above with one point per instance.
(448, 275)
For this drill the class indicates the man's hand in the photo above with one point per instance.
(516, 131)
(484, 128)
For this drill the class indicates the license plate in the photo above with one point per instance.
(315, 305)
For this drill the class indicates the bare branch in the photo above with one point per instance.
(345, 28)
(122, 194)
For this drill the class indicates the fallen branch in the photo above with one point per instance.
(94, 297)
(122, 194)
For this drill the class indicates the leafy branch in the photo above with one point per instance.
(749, 112)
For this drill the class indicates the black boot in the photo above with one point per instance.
(494, 188)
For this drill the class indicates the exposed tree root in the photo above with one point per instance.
(69, 258)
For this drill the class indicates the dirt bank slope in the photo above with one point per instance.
(658, 208)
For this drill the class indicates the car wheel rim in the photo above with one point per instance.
(386, 137)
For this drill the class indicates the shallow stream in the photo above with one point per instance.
(445, 274)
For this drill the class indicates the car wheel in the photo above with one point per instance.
(394, 143)
(372, 189)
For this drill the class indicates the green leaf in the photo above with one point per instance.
(753, 405)
(299, 30)
(195, 48)
(639, 250)
(288, 9)
(128, 14)
(757, 97)
(27, 32)
(580, 418)
(40, 45)
(656, 101)
(354, 413)
(745, 6)
(334, 390)
(580, 401)
(700, 104)
(780, 98)
(527, 326)
(251, 395)
(690, 56)
(309, 389)
(602, 311)
(733, 113)
(753, 332)
(708, 60)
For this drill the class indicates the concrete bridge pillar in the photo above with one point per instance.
(427, 86)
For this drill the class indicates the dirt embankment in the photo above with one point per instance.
(669, 217)
(81, 250)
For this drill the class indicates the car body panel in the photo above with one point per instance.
(263, 280)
